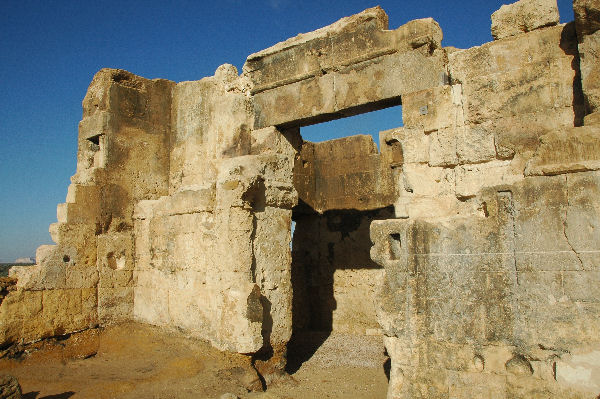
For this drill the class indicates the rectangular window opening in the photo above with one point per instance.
(370, 123)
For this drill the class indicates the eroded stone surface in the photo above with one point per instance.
(482, 209)
(523, 16)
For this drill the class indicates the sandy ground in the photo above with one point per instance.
(139, 361)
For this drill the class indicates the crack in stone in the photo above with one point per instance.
(565, 223)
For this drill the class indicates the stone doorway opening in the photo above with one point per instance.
(343, 185)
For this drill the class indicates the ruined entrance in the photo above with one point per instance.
(343, 185)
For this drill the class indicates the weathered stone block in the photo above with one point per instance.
(302, 56)
(421, 179)
(523, 16)
(520, 91)
(580, 370)
(433, 109)
(566, 150)
(270, 139)
(592, 119)
(151, 305)
(442, 147)
(475, 144)
(472, 178)
(587, 16)
(115, 304)
(378, 80)
(404, 145)
(351, 40)
(589, 54)
(345, 173)
(520, 134)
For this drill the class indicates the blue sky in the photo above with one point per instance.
(50, 50)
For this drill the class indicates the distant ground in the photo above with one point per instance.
(140, 361)
(5, 266)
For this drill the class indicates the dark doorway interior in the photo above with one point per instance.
(333, 277)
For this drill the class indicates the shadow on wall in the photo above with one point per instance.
(34, 395)
(333, 277)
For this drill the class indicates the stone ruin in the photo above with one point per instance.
(483, 210)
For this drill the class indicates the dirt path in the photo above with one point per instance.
(139, 361)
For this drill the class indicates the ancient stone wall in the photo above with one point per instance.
(491, 262)
(347, 173)
(483, 209)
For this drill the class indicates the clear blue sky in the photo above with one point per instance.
(51, 49)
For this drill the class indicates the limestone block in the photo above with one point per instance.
(433, 109)
(295, 101)
(209, 120)
(500, 56)
(62, 311)
(82, 277)
(520, 134)
(151, 305)
(115, 251)
(271, 139)
(74, 213)
(387, 78)
(190, 200)
(579, 286)
(354, 290)
(525, 74)
(192, 310)
(541, 87)
(86, 196)
(128, 97)
(145, 209)
(476, 385)
(589, 54)
(16, 306)
(421, 179)
(359, 85)
(51, 271)
(523, 16)
(546, 315)
(587, 16)
(23, 273)
(472, 178)
(433, 207)
(115, 304)
(442, 147)
(580, 370)
(541, 205)
(351, 40)
(398, 384)
(475, 144)
(592, 119)
(240, 317)
(96, 124)
(301, 56)
(420, 32)
(390, 247)
(566, 150)
(404, 145)
(345, 173)
(271, 246)
(582, 221)
(42, 252)
(256, 180)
